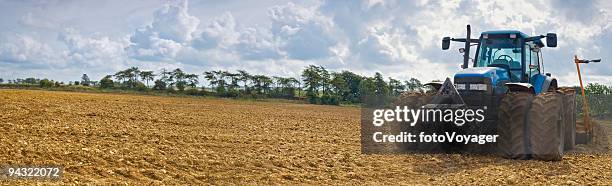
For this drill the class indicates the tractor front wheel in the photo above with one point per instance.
(511, 128)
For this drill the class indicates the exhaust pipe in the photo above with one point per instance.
(466, 53)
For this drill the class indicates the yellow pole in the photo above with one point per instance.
(585, 103)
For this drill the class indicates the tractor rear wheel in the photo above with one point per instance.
(511, 128)
(569, 120)
(546, 127)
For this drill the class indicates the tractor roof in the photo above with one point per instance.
(494, 32)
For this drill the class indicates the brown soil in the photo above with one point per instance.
(113, 138)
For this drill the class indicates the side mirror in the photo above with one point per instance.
(551, 40)
(445, 43)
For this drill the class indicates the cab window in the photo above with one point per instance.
(533, 62)
(501, 52)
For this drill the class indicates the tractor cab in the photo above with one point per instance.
(504, 59)
(503, 49)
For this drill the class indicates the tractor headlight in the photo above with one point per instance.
(460, 86)
(478, 87)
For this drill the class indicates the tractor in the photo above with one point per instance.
(533, 117)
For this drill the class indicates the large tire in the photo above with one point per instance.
(546, 127)
(569, 120)
(512, 126)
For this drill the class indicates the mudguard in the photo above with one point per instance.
(542, 83)
(520, 87)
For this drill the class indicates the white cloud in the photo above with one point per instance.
(303, 33)
(93, 52)
(384, 45)
(171, 29)
(219, 33)
(27, 51)
(257, 44)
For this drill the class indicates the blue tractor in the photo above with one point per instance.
(510, 59)
(534, 118)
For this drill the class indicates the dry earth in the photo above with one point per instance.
(134, 139)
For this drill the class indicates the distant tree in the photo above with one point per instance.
(147, 76)
(85, 80)
(367, 89)
(121, 76)
(211, 78)
(179, 79)
(312, 82)
(244, 76)
(266, 83)
(166, 76)
(129, 76)
(46, 83)
(159, 85)
(325, 80)
(381, 86)
(352, 80)
(76, 83)
(596, 88)
(285, 87)
(134, 74)
(340, 87)
(1, 80)
(30, 80)
(217, 79)
(413, 85)
(257, 85)
(192, 80)
(107, 82)
(395, 86)
(231, 79)
(261, 84)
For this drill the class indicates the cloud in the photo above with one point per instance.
(171, 29)
(220, 32)
(384, 45)
(303, 33)
(23, 50)
(257, 44)
(93, 52)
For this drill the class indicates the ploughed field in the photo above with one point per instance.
(117, 138)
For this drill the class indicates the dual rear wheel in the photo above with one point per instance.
(535, 126)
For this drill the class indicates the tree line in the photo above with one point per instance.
(316, 84)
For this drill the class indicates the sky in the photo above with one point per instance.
(63, 39)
